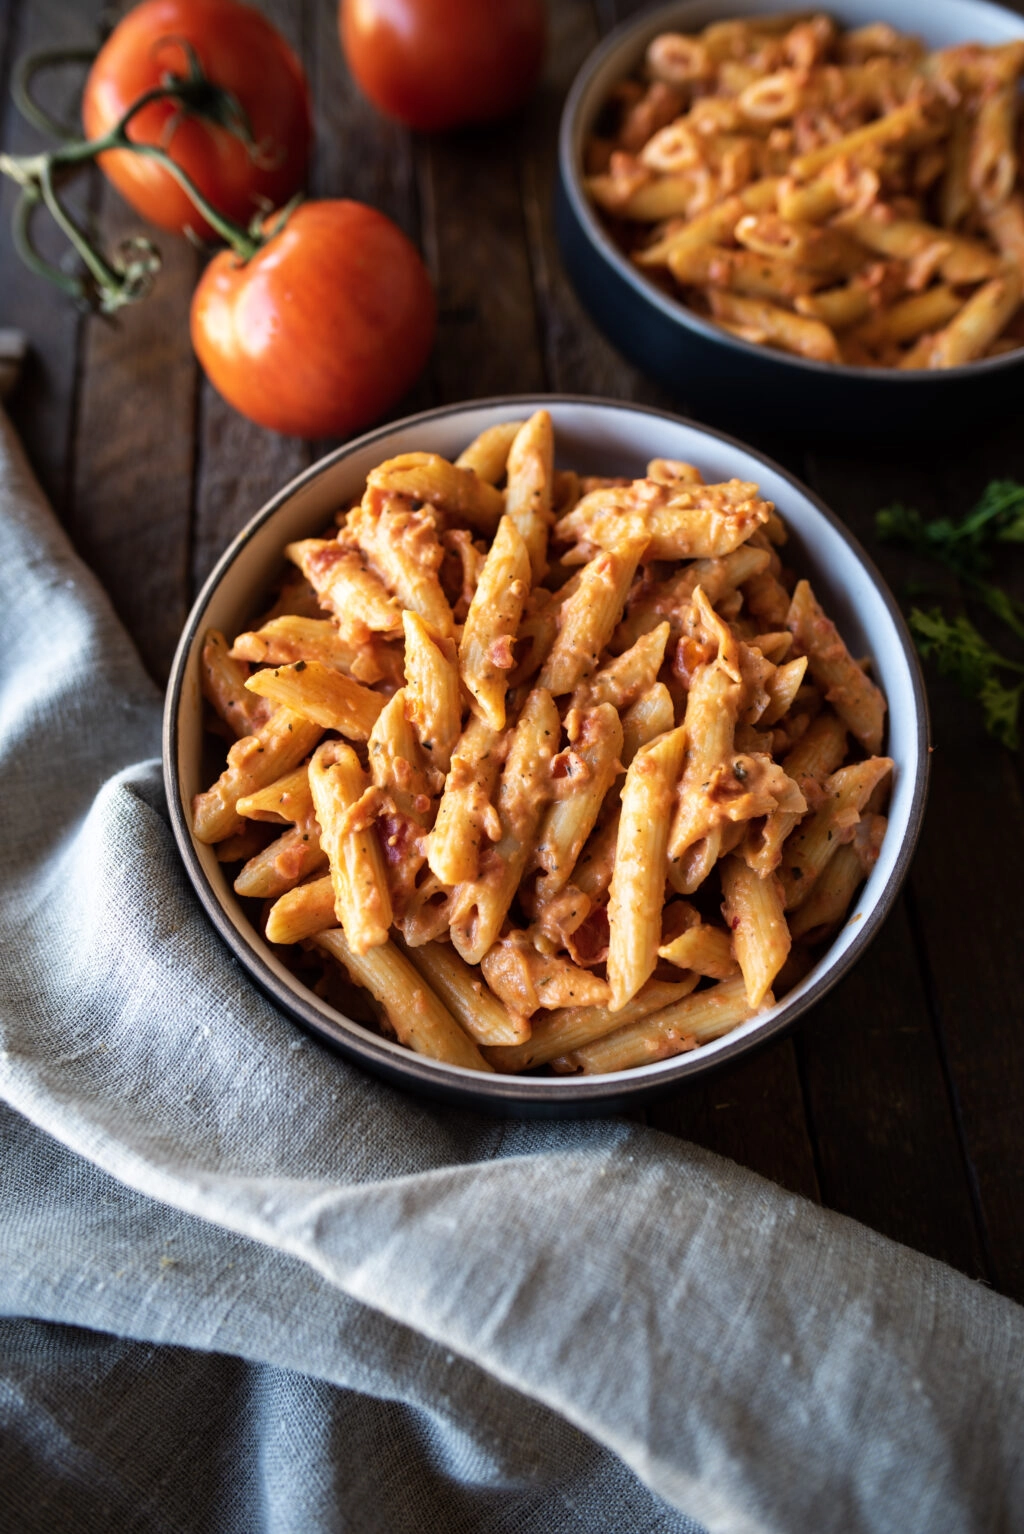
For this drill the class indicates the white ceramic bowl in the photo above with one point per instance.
(726, 378)
(598, 437)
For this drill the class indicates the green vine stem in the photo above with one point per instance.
(110, 283)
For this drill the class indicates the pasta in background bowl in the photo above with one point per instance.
(733, 324)
(592, 438)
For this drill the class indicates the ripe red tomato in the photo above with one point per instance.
(239, 50)
(436, 64)
(324, 328)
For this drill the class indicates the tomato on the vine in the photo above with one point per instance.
(435, 64)
(324, 328)
(238, 50)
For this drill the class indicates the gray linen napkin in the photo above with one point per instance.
(415, 1317)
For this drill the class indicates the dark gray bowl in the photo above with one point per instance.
(597, 436)
(719, 375)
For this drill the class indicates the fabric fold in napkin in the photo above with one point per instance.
(474, 1324)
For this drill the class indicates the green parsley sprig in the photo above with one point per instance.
(966, 547)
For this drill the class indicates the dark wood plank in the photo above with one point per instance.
(362, 155)
(750, 1110)
(134, 448)
(239, 465)
(881, 1118)
(488, 341)
(966, 929)
(43, 407)
(577, 357)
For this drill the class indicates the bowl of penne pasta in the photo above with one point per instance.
(813, 220)
(539, 753)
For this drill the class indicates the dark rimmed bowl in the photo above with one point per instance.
(724, 378)
(600, 437)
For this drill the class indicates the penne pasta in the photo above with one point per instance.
(482, 827)
(417, 1017)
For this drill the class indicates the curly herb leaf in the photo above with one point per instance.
(962, 653)
(1001, 707)
(966, 545)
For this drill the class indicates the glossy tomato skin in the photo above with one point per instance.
(324, 329)
(436, 64)
(237, 49)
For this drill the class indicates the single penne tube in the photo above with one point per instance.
(748, 272)
(782, 687)
(628, 675)
(704, 949)
(958, 259)
(403, 547)
(397, 768)
(592, 765)
(283, 864)
(527, 980)
(955, 190)
(359, 600)
(1005, 224)
(853, 695)
(322, 694)
(486, 648)
(822, 250)
(818, 753)
(791, 332)
(302, 912)
(593, 872)
(462, 990)
(983, 317)
(460, 493)
(910, 317)
(589, 617)
(676, 521)
(659, 602)
(415, 1014)
(487, 454)
(992, 157)
(223, 682)
(647, 200)
(711, 227)
(481, 905)
(650, 716)
(683, 1025)
(281, 641)
(466, 818)
(432, 690)
(908, 125)
(838, 308)
(815, 841)
(256, 760)
(755, 915)
(396, 762)
(830, 898)
(531, 467)
(637, 891)
(712, 708)
(362, 902)
(558, 1033)
(288, 799)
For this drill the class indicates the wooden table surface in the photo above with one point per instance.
(900, 1099)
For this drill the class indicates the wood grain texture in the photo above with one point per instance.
(362, 155)
(750, 1110)
(134, 448)
(43, 407)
